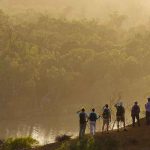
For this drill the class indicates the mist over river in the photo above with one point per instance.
(44, 130)
(61, 55)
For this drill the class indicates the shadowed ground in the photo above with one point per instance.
(137, 138)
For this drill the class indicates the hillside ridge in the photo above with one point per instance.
(136, 138)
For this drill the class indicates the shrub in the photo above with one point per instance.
(19, 143)
(62, 138)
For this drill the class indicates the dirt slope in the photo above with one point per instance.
(137, 138)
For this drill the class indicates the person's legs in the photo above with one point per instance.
(103, 125)
(83, 130)
(138, 119)
(133, 120)
(147, 122)
(117, 125)
(92, 127)
(148, 117)
(80, 131)
(118, 120)
(124, 123)
(107, 125)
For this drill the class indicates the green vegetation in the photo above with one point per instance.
(19, 143)
(89, 143)
(47, 62)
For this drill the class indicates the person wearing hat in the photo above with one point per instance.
(120, 115)
(106, 117)
(93, 117)
(147, 107)
(135, 111)
(83, 118)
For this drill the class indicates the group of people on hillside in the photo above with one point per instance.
(106, 117)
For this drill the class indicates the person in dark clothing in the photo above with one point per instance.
(82, 122)
(106, 117)
(147, 107)
(120, 115)
(135, 111)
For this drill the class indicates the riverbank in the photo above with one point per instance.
(136, 138)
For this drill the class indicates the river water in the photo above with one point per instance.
(44, 130)
(44, 133)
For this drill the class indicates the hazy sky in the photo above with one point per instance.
(137, 10)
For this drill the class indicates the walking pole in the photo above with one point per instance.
(113, 125)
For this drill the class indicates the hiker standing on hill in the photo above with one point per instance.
(147, 107)
(106, 117)
(120, 115)
(82, 121)
(93, 117)
(135, 111)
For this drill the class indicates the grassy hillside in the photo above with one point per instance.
(134, 139)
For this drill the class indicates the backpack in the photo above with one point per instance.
(135, 110)
(82, 117)
(93, 117)
(120, 111)
(106, 113)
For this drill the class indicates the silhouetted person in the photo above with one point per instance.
(82, 122)
(106, 117)
(135, 111)
(120, 115)
(147, 107)
(93, 117)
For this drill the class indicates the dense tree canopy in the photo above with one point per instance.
(48, 61)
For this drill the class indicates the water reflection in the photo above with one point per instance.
(43, 132)
(43, 129)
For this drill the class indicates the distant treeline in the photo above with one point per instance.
(49, 61)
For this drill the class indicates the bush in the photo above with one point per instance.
(19, 143)
(62, 138)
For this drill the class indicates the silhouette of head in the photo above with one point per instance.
(148, 99)
(83, 110)
(93, 109)
(121, 104)
(106, 105)
(136, 103)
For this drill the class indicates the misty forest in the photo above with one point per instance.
(51, 66)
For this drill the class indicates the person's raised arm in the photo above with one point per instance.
(78, 112)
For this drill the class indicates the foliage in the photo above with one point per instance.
(50, 61)
(19, 143)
